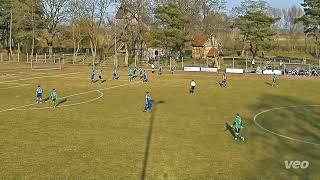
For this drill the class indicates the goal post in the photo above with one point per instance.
(78, 58)
(297, 69)
(46, 63)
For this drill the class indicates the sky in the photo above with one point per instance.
(273, 3)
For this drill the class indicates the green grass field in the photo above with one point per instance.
(98, 131)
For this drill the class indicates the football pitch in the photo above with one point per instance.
(99, 130)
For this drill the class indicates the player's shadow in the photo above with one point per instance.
(46, 99)
(230, 129)
(267, 83)
(62, 101)
(149, 137)
(103, 81)
(287, 125)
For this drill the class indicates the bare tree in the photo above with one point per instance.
(55, 12)
(293, 28)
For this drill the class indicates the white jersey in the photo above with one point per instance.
(193, 83)
(148, 98)
(152, 66)
(39, 90)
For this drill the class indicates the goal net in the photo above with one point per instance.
(297, 69)
(40, 63)
(80, 58)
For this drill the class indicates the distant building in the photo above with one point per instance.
(155, 53)
(205, 46)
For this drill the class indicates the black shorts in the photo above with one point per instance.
(100, 77)
(237, 130)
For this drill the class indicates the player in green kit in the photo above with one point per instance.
(141, 72)
(238, 127)
(54, 97)
(100, 76)
(130, 73)
(274, 80)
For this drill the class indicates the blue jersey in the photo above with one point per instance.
(39, 90)
(92, 76)
(148, 99)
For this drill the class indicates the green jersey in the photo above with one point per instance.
(53, 95)
(274, 78)
(238, 122)
(130, 72)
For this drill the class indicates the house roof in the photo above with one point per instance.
(200, 40)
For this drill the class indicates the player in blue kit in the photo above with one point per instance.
(145, 77)
(148, 103)
(92, 76)
(39, 95)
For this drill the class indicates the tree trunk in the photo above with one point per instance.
(93, 50)
(244, 46)
(253, 50)
(126, 59)
(50, 45)
(10, 39)
(74, 42)
(78, 48)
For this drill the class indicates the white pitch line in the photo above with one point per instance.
(281, 135)
(10, 81)
(22, 85)
(11, 87)
(20, 108)
(67, 105)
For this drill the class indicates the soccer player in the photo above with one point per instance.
(39, 94)
(115, 74)
(274, 80)
(193, 87)
(152, 68)
(173, 68)
(53, 97)
(238, 127)
(223, 83)
(145, 77)
(92, 76)
(135, 72)
(160, 69)
(148, 103)
(100, 75)
(130, 73)
(141, 72)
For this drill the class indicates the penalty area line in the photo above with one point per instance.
(22, 108)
